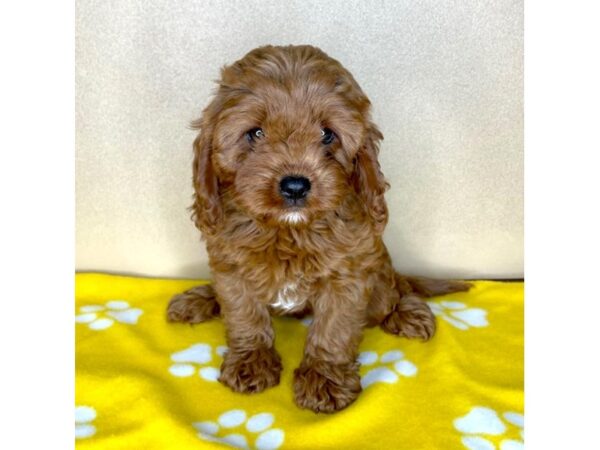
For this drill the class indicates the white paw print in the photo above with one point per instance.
(119, 310)
(384, 372)
(458, 315)
(84, 415)
(268, 439)
(485, 421)
(307, 321)
(196, 354)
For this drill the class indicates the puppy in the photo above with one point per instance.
(289, 196)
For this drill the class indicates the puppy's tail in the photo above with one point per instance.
(429, 287)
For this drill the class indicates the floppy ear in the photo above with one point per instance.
(368, 180)
(206, 210)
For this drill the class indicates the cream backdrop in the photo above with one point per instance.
(445, 79)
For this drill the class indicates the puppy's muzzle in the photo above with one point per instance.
(294, 189)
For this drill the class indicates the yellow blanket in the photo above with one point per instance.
(142, 383)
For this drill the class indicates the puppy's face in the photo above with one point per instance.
(283, 135)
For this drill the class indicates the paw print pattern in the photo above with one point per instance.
(84, 415)
(458, 315)
(389, 366)
(307, 321)
(200, 354)
(485, 421)
(257, 429)
(115, 310)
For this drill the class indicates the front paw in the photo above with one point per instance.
(324, 387)
(251, 371)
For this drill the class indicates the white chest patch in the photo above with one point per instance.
(287, 298)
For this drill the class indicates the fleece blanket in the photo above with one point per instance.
(143, 383)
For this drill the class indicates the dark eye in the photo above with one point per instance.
(254, 134)
(327, 136)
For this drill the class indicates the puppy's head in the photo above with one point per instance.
(286, 138)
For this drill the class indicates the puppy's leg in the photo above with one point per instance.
(409, 316)
(251, 364)
(327, 379)
(195, 305)
(397, 309)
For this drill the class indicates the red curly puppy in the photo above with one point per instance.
(289, 196)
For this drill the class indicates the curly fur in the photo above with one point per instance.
(326, 256)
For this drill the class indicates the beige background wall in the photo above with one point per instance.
(445, 79)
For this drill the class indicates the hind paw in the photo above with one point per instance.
(193, 306)
(411, 318)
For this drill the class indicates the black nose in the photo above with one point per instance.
(294, 188)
